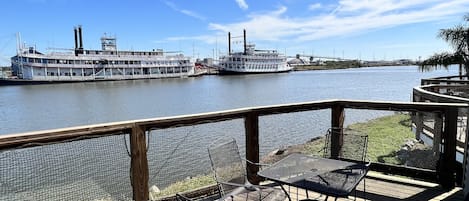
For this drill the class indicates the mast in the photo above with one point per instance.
(18, 43)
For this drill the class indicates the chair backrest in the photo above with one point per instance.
(354, 146)
(227, 164)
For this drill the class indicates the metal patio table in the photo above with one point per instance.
(322, 175)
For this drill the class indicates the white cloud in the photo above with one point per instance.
(192, 14)
(184, 11)
(350, 17)
(242, 4)
(314, 6)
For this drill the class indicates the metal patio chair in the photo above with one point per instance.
(230, 175)
(354, 148)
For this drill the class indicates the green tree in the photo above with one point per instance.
(458, 38)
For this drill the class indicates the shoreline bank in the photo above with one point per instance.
(325, 67)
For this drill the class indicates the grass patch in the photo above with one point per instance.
(186, 185)
(386, 135)
(315, 147)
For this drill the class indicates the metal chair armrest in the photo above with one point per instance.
(249, 187)
(258, 164)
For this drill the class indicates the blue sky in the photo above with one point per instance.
(366, 29)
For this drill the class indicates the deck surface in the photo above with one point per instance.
(388, 188)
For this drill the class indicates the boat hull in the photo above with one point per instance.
(228, 72)
(7, 82)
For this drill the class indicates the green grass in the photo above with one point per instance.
(386, 136)
(314, 147)
(186, 185)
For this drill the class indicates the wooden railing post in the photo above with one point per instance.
(447, 162)
(138, 164)
(337, 123)
(251, 124)
(418, 125)
(418, 118)
(438, 128)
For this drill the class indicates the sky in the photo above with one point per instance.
(352, 29)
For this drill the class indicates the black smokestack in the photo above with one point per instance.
(81, 37)
(229, 43)
(244, 34)
(76, 37)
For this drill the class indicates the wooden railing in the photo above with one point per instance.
(448, 89)
(137, 129)
(446, 79)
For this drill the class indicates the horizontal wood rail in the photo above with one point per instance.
(116, 128)
(137, 128)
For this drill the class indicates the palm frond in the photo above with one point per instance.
(440, 60)
(457, 37)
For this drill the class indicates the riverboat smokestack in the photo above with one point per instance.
(76, 37)
(76, 40)
(80, 37)
(244, 34)
(229, 43)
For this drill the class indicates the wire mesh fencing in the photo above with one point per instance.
(87, 169)
(178, 158)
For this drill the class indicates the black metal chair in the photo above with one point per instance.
(354, 148)
(230, 174)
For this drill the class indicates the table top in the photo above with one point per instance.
(327, 176)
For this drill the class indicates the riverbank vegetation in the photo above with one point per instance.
(333, 65)
(330, 65)
(386, 137)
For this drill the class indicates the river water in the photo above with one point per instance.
(39, 107)
(99, 167)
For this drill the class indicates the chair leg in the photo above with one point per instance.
(364, 189)
(287, 193)
(355, 198)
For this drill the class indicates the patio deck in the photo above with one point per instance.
(389, 188)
